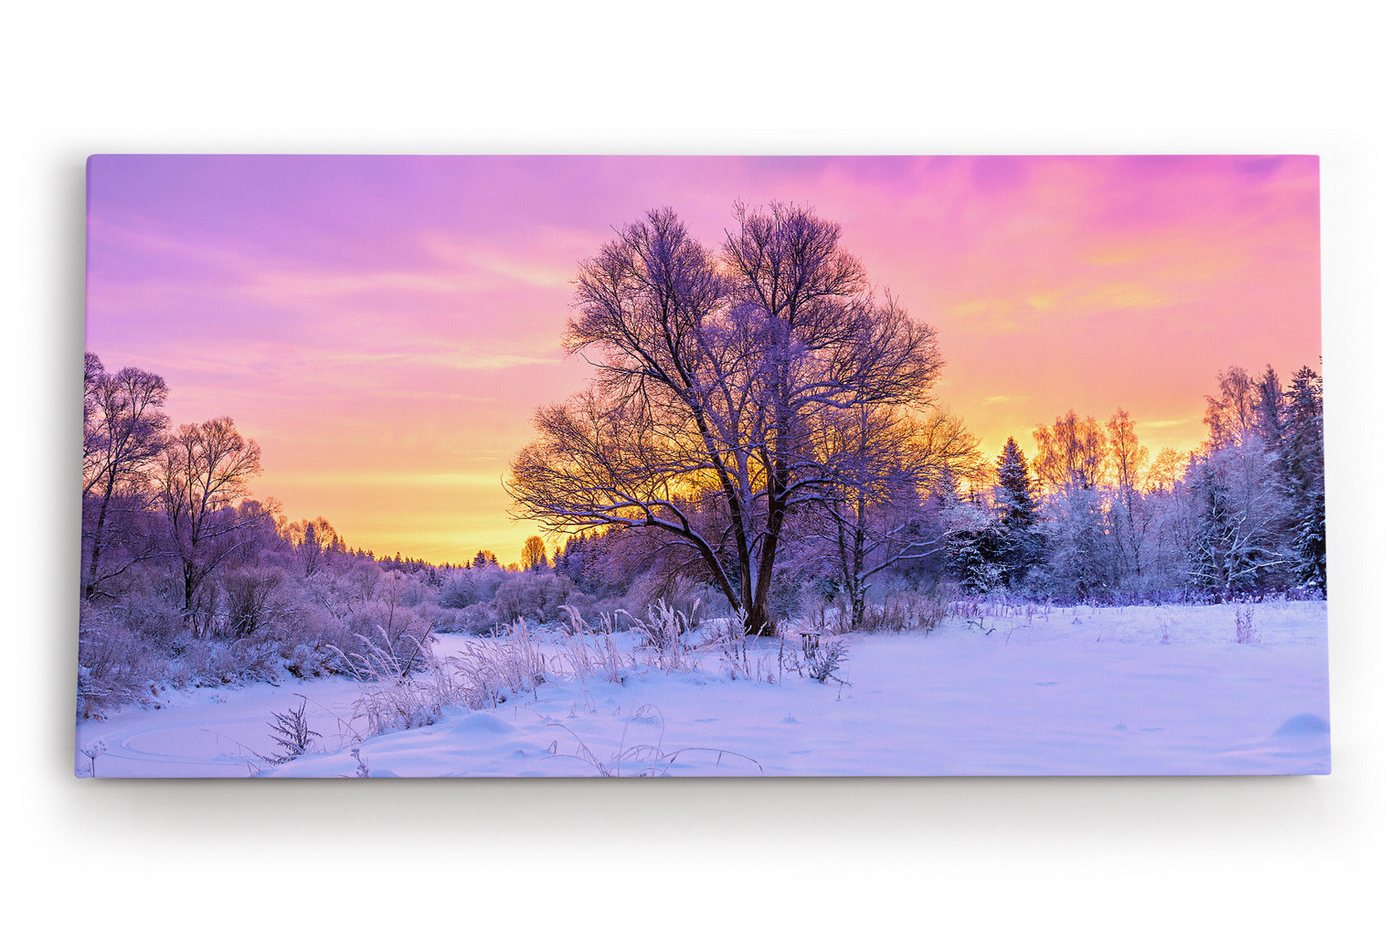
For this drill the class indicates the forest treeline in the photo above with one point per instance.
(760, 440)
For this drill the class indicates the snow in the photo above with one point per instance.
(1097, 691)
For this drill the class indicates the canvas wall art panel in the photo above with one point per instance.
(586, 466)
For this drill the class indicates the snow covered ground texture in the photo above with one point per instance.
(1098, 691)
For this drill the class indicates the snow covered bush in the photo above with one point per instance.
(291, 733)
(305, 661)
(408, 702)
(117, 665)
(533, 596)
(403, 689)
(472, 586)
(907, 610)
(392, 649)
(1245, 631)
(822, 659)
(208, 663)
(479, 618)
(251, 599)
(741, 655)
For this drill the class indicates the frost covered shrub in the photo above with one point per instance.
(398, 635)
(739, 653)
(822, 607)
(472, 586)
(392, 702)
(587, 606)
(305, 636)
(158, 623)
(907, 611)
(483, 674)
(822, 659)
(414, 591)
(533, 596)
(117, 665)
(676, 591)
(1245, 631)
(475, 619)
(308, 661)
(251, 599)
(292, 733)
(208, 663)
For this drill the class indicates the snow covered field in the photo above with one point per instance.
(1145, 690)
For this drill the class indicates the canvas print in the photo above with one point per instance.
(702, 467)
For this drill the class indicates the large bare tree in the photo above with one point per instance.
(713, 371)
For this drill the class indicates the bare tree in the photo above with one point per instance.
(1072, 461)
(204, 469)
(1230, 417)
(533, 555)
(312, 541)
(1072, 453)
(886, 467)
(1128, 458)
(712, 372)
(123, 426)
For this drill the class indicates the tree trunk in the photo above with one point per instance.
(191, 583)
(858, 567)
(757, 623)
(91, 585)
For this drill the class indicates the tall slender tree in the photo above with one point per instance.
(1019, 542)
(1269, 409)
(123, 433)
(533, 556)
(1128, 458)
(1303, 478)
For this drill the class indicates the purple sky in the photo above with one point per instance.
(384, 326)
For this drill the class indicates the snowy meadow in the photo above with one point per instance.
(1009, 691)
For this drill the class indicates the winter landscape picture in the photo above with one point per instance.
(702, 466)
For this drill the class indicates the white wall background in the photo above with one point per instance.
(648, 77)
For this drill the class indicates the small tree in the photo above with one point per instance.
(1073, 461)
(1232, 415)
(204, 469)
(1127, 516)
(534, 556)
(1019, 544)
(887, 466)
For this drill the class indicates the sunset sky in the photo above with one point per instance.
(384, 327)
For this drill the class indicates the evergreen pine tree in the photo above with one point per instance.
(1018, 543)
(1269, 409)
(1302, 466)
